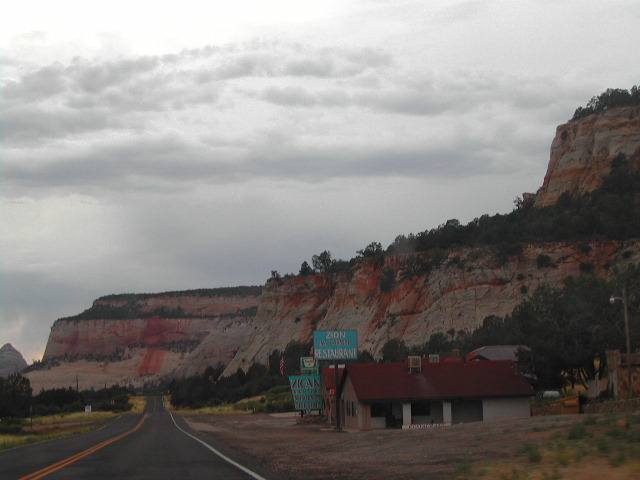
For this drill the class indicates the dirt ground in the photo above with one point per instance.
(307, 451)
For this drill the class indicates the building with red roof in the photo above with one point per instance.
(426, 392)
(497, 352)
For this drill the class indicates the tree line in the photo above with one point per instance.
(131, 305)
(611, 212)
(210, 388)
(567, 330)
(611, 98)
(17, 401)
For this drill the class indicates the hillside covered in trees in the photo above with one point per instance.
(611, 212)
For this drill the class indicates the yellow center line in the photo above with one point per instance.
(74, 458)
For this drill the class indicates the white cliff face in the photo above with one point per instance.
(105, 351)
(470, 285)
(582, 152)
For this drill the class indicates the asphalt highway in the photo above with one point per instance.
(153, 445)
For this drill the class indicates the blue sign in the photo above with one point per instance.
(306, 391)
(335, 345)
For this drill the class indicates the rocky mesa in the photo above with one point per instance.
(138, 338)
(11, 360)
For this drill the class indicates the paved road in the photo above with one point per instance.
(154, 445)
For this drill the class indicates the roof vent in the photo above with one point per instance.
(415, 363)
(434, 358)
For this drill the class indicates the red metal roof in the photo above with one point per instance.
(441, 380)
(329, 377)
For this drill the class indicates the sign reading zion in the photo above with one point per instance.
(306, 391)
(335, 345)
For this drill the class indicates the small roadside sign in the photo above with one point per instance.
(306, 391)
(308, 366)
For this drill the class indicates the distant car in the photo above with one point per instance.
(551, 394)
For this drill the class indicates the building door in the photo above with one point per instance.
(463, 411)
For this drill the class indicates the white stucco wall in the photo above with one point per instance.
(503, 408)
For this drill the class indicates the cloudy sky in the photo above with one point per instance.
(155, 146)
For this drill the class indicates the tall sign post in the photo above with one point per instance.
(335, 345)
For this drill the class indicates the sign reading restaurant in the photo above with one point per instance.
(335, 345)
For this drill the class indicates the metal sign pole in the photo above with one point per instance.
(335, 365)
(335, 345)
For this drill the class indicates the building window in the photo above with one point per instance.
(380, 409)
(354, 411)
(420, 409)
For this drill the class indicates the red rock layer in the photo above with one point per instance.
(469, 285)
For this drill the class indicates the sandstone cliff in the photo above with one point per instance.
(160, 336)
(469, 285)
(137, 338)
(583, 150)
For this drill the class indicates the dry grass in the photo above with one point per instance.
(71, 418)
(139, 404)
(586, 469)
(226, 409)
(605, 446)
(219, 410)
(11, 441)
(544, 448)
(64, 424)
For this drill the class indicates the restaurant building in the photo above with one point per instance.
(423, 392)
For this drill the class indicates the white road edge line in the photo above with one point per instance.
(221, 455)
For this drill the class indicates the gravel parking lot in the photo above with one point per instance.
(301, 451)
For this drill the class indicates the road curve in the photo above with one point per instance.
(153, 445)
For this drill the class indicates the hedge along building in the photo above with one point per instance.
(423, 392)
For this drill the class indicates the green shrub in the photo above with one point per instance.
(578, 432)
(387, 280)
(618, 459)
(616, 431)
(463, 471)
(532, 452)
(603, 445)
(544, 261)
(10, 428)
(562, 457)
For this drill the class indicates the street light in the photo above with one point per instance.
(612, 300)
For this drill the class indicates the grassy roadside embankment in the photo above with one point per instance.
(600, 446)
(63, 425)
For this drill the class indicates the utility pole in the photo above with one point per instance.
(628, 335)
(337, 376)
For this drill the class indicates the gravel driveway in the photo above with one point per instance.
(303, 451)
